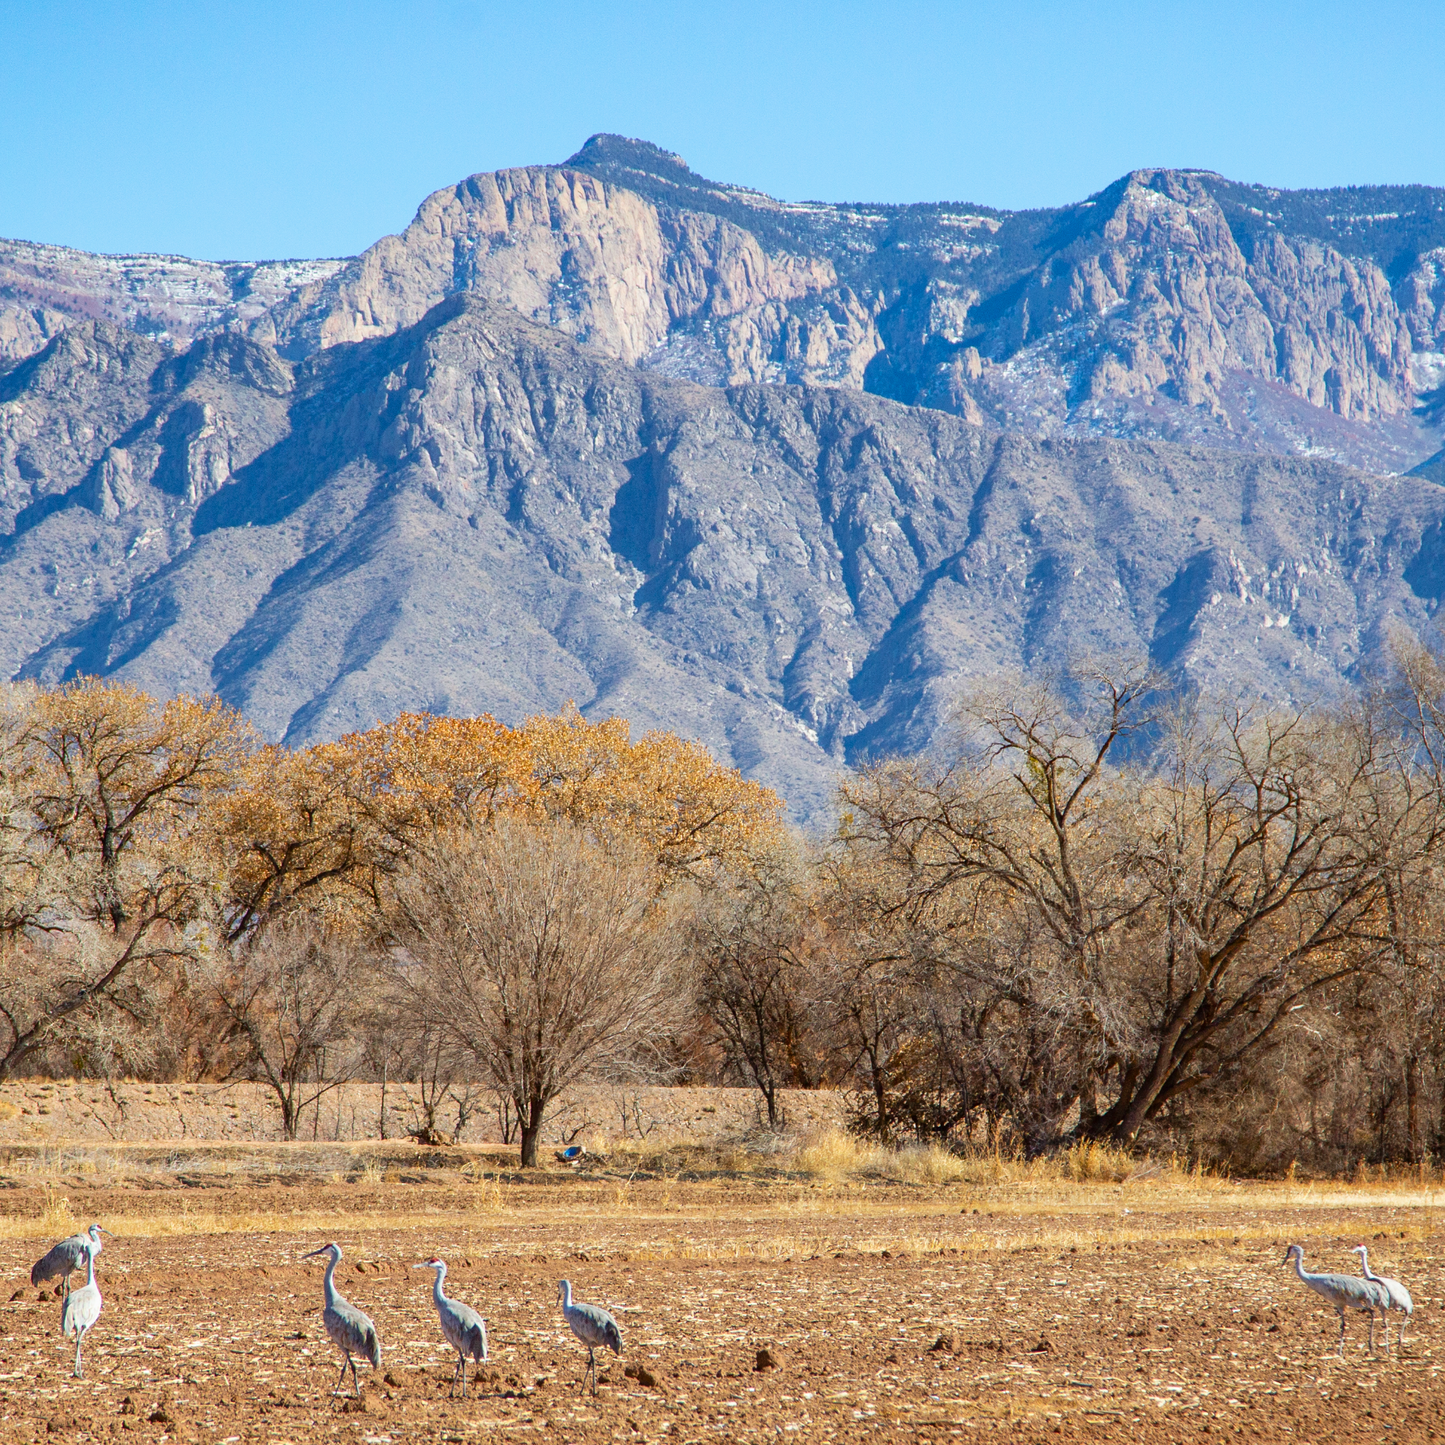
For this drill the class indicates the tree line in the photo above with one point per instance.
(1099, 912)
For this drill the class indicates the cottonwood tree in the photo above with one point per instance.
(113, 783)
(292, 833)
(546, 957)
(1167, 918)
(661, 794)
(1266, 877)
(1021, 826)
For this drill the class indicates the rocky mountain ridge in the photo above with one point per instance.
(1173, 304)
(627, 444)
(478, 513)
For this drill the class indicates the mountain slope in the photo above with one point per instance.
(478, 513)
(781, 477)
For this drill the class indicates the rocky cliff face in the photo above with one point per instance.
(1172, 304)
(44, 289)
(612, 433)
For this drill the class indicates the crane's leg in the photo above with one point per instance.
(463, 1360)
(1342, 1332)
(341, 1378)
(592, 1368)
(1400, 1333)
(79, 1372)
(1372, 1332)
(461, 1365)
(355, 1382)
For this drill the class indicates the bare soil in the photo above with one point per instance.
(43, 1111)
(1088, 1312)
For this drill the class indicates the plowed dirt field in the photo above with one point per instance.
(1097, 1312)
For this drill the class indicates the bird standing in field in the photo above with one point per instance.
(65, 1258)
(464, 1328)
(81, 1308)
(1399, 1296)
(593, 1326)
(351, 1331)
(1344, 1292)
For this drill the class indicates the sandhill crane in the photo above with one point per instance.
(351, 1331)
(65, 1258)
(465, 1329)
(1399, 1296)
(593, 1326)
(1343, 1291)
(81, 1308)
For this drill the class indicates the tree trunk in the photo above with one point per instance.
(1412, 1110)
(290, 1114)
(531, 1130)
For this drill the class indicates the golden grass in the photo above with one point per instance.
(56, 1215)
(837, 1156)
(826, 1193)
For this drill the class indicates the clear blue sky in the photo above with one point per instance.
(250, 129)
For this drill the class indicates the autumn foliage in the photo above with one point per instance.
(146, 844)
(320, 826)
(1108, 914)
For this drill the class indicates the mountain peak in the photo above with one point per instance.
(605, 152)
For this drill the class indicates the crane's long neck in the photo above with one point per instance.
(329, 1284)
(1299, 1268)
(437, 1292)
(90, 1269)
(566, 1295)
(1365, 1264)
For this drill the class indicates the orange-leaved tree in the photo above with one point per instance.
(291, 836)
(668, 795)
(114, 784)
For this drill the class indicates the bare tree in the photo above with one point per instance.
(1165, 920)
(289, 1003)
(1017, 836)
(757, 942)
(546, 958)
(432, 1061)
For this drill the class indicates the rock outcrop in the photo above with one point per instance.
(1172, 304)
(44, 289)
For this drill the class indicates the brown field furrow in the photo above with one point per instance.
(1141, 1312)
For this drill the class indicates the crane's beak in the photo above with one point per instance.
(107, 1233)
(313, 1253)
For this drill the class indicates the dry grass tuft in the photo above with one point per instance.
(56, 1215)
(833, 1155)
(1094, 1163)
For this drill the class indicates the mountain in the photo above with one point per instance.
(1173, 304)
(780, 477)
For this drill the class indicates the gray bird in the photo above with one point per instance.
(65, 1258)
(593, 1326)
(81, 1308)
(1343, 1291)
(1399, 1296)
(465, 1329)
(351, 1331)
